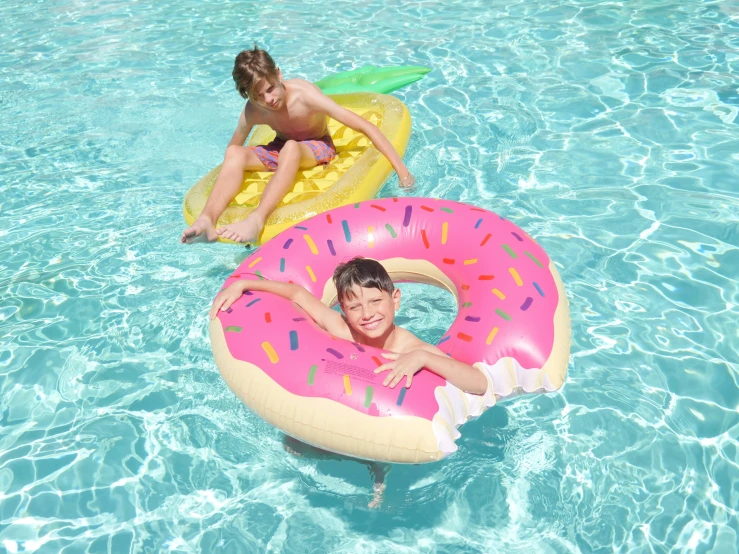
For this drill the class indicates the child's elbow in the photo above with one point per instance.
(480, 386)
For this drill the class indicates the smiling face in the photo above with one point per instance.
(269, 94)
(370, 311)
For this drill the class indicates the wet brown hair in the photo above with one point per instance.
(362, 272)
(250, 67)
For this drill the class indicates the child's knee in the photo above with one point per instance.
(234, 152)
(241, 156)
(290, 149)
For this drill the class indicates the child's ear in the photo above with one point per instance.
(396, 299)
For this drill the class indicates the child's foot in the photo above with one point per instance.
(246, 230)
(202, 229)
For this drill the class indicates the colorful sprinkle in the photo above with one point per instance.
(515, 275)
(255, 262)
(425, 240)
(479, 222)
(356, 206)
(347, 385)
(407, 217)
(448, 210)
(391, 230)
(491, 336)
(259, 274)
(330, 244)
(282, 265)
(486, 277)
(477, 209)
(347, 233)
(267, 317)
(233, 329)
(517, 236)
(487, 237)
(499, 294)
(442, 341)
(527, 303)
(401, 396)
(312, 375)
(298, 319)
(335, 353)
(368, 392)
(538, 289)
(448, 261)
(467, 304)
(502, 314)
(293, 340)
(328, 218)
(530, 255)
(253, 302)
(267, 347)
(511, 253)
(465, 287)
(427, 208)
(310, 273)
(301, 228)
(377, 360)
(229, 310)
(359, 346)
(464, 337)
(247, 293)
(287, 244)
(470, 262)
(311, 244)
(472, 319)
(375, 206)
(371, 236)
(444, 232)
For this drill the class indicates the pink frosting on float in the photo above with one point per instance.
(507, 299)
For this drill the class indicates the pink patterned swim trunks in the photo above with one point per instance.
(323, 149)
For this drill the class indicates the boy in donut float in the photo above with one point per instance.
(369, 301)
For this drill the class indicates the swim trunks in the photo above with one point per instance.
(323, 149)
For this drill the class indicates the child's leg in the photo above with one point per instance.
(378, 471)
(237, 160)
(293, 156)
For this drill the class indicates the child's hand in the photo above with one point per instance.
(408, 181)
(403, 365)
(227, 297)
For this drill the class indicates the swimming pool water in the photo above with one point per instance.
(609, 131)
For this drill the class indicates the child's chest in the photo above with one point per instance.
(298, 122)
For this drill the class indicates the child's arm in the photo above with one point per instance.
(242, 131)
(322, 103)
(459, 374)
(328, 319)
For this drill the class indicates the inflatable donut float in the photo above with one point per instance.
(512, 324)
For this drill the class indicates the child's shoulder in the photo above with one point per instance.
(298, 82)
(407, 341)
(303, 88)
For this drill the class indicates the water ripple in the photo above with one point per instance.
(607, 130)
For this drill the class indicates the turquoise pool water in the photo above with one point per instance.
(609, 131)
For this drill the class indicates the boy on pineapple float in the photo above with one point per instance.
(298, 112)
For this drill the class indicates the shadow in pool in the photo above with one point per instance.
(415, 497)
